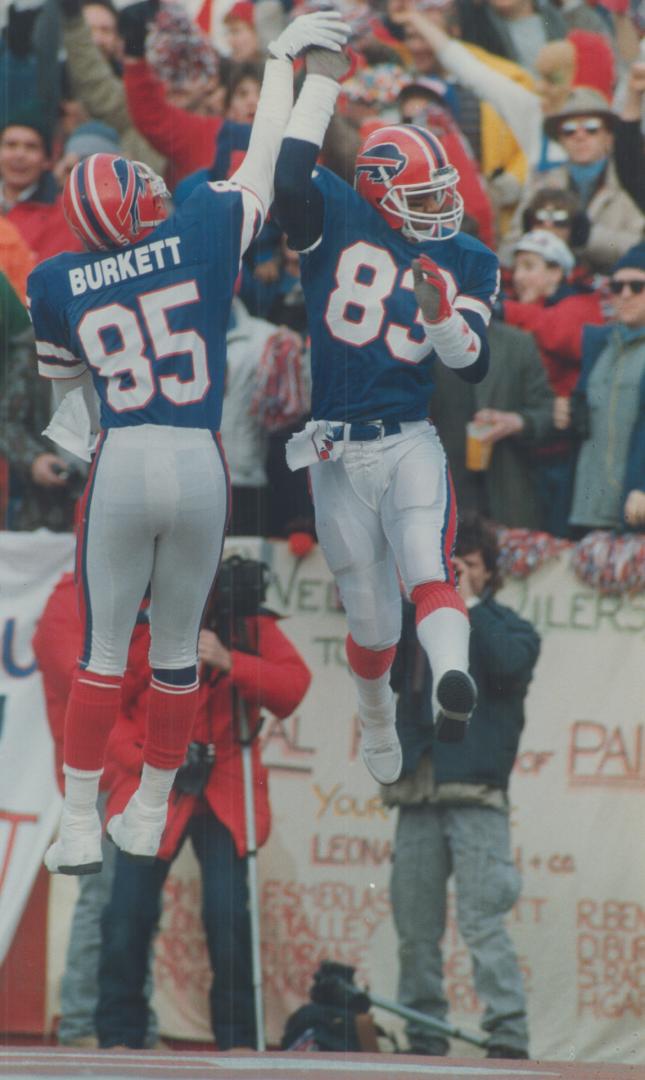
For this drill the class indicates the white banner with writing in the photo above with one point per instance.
(577, 816)
(577, 796)
(30, 565)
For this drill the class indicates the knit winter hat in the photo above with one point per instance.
(177, 49)
(378, 85)
(94, 137)
(29, 115)
(549, 246)
(594, 62)
(243, 11)
(634, 259)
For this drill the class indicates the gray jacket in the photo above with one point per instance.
(102, 93)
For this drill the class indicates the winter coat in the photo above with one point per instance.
(274, 677)
(516, 382)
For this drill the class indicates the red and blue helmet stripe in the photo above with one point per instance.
(107, 201)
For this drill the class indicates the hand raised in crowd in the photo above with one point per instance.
(322, 28)
(635, 508)
(561, 413)
(133, 22)
(501, 424)
(49, 470)
(211, 651)
(635, 89)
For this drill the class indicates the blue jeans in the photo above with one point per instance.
(79, 985)
(554, 478)
(473, 843)
(129, 923)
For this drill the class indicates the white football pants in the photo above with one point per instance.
(155, 511)
(384, 505)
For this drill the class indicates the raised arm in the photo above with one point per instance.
(299, 204)
(320, 28)
(518, 106)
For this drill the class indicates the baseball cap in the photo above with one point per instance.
(549, 246)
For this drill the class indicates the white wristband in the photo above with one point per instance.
(453, 339)
(313, 110)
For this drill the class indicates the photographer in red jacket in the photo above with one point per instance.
(260, 669)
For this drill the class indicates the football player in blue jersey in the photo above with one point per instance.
(143, 316)
(391, 288)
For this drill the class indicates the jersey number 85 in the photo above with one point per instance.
(129, 372)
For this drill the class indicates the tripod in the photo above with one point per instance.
(231, 630)
(333, 985)
(245, 738)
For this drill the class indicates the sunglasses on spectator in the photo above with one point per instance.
(592, 126)
(555, 217)
(635, 287)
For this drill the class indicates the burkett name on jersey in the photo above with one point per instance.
(157, 255)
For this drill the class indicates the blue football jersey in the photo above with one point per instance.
(370, 356)
(149, 320)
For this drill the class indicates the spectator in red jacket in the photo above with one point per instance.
(262, 669)
(550, 308)
(29, 196)
(57, 643)
(555, 313)
(172, 90)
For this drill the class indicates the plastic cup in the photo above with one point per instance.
(478, 453)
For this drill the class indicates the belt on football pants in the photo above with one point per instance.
(364, 430)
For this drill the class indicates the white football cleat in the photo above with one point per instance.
(78, 848)
(138, 830)
(456, 698)
(380, 746)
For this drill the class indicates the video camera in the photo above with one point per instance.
(240, 591)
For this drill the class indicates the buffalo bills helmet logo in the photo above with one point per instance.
(109, 201)
(131, 186)
(381, 163)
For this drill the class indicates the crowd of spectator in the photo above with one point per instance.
(538, 105)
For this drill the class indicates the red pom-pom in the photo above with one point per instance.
(300, 544)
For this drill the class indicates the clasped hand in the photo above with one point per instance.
(325, 29)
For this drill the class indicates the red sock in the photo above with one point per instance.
(92, 709)
(432, 595)
(368, 663)
(171, 717)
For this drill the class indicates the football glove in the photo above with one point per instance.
(431, 290)
(323, 28)
(333, 65)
